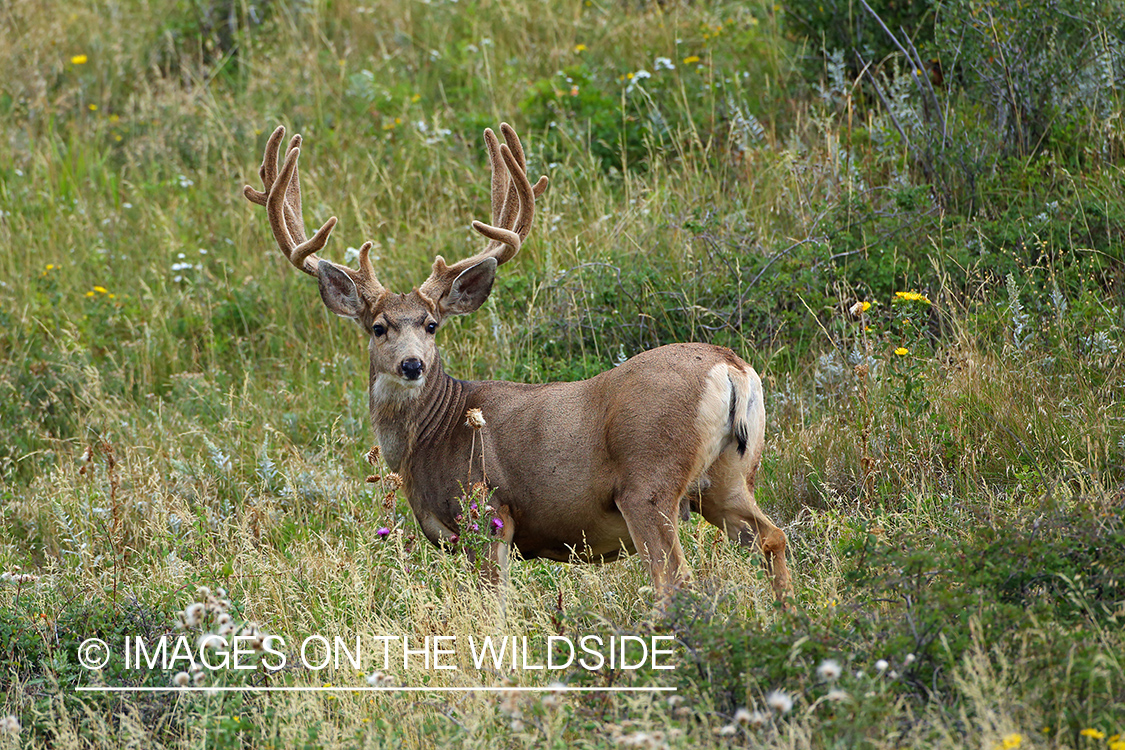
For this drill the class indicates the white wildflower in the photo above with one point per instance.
(212, 641)
(193, 615)
(829, 670)
(779, 701)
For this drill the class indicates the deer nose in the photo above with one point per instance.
(412, 368)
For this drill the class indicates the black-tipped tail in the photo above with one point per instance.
(737, 419)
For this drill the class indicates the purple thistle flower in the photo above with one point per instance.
(383, 532)
(497, 524)
(474, 527)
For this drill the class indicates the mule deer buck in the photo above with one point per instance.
(586, 469)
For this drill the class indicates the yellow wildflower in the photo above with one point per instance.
(580, 48)
(92, 107)
(691, 59)
(1094, 734)
(1117, 745)
(117, 137)
(101, 290)
(78, 60)
(902, 351)
(416, 98)
(50, 266)
(913, 297)
(866, 306)
(89, 294)
(1013, 740)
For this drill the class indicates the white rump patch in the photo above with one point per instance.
(712, 420)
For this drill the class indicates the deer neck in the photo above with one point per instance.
(406, 417)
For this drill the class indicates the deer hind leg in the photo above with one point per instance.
(651, 511)
(728, 503)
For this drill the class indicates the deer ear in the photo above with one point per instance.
(470, 289)
(338, 291)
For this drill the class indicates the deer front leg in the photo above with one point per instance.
(499, 549)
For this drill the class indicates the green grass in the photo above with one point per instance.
(177, 409)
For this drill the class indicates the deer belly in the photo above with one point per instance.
(602, 540)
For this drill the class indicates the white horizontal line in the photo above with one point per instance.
(333, 689)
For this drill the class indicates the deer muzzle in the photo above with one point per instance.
(412, 368)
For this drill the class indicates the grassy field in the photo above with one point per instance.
(924, 259)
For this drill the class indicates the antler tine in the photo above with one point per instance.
(513, 216)
(282, 200)
(521, 201)
(514, 143)
(500, 178)
(268, 170)
(289, 234)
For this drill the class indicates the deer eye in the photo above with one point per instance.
(378, 330)
(431, 327)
